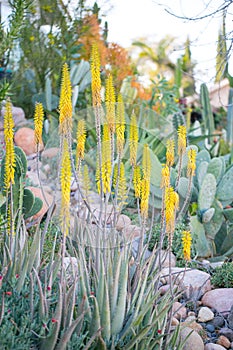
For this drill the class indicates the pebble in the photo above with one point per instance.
(224, 341)
(227, 332)
(218, 321)
(212, 346)
(205, 314)
(210, 328)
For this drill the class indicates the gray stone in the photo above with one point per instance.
(230, 318)
(218, 321)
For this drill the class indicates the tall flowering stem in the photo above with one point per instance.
(10, 161)
(65, 104)
(110, 104)
(119, 183)
(170, 153)
(137, 181)
(120, 125)
(182, 143)
(191, 167)
(171, 206)
(133, 140)
(145, 182)
(106, 160)
(96, 103)
(81, 139)
(186, 243)
(38, 123)
(65, 181)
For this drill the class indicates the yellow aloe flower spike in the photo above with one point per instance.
(65, 180)
(165, 181)
(38, 122)
(170, 153)
(120, 124)
(171, 205)
(181, 139)
(65, 104)
(95, 74)
(81, 139)
(145, 183)
(137, 181)
(133, 140)
(10, 161)
(145, 194)
(191, 167)
(110, 104)
(106, 160)
(186, 242)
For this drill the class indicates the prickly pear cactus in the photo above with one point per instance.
(207, 192)
(24, 200)
(215, 167)
(225, 187)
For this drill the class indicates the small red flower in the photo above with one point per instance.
(159, 331)
(8, 293)
(1, 277)
(17, 275)
(92, 293)
(48, 288)
(54, 320)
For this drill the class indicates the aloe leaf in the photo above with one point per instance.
(51, 340)
(105, 314)
(95, 320)
(119, 316)
(114, 293)
(68, 333)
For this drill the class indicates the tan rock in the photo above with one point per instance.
(175, 322)
(179, 311)
(123, 222)
(132, 231)
(194, 282)
(222, 340)
(220, 299)
(193, 342)
(24, 138)
(194, 325)
(205, 314)
(50, 152)
(46, 198)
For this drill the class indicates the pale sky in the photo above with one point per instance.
(131, 19)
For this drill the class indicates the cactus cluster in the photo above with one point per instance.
(25, 202)
(213, 187)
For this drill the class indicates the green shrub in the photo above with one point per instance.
(223, 276)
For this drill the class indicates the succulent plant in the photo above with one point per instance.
(214, 184)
